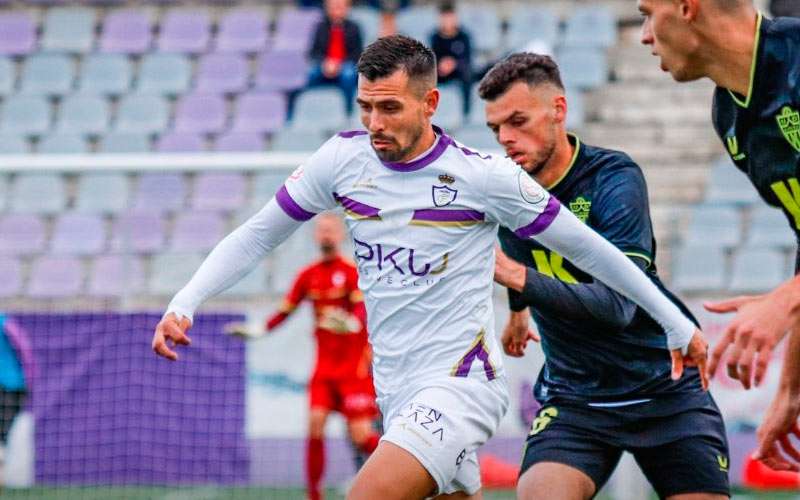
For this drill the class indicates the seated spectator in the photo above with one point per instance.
(335, 51)
(453, 52)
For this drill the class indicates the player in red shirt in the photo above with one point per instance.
(341, 380)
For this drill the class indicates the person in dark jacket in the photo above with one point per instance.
(453, 49)
(335, 51)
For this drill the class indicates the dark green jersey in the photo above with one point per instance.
(762, 131)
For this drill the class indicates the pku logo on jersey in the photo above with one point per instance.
(398, 259)
(443, 195)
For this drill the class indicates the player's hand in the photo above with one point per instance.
(517, 333)
(760, 324)
(243, 331)
(339, 320)
(773, 435)
(696, 355)
(507, 272)
(170, 332)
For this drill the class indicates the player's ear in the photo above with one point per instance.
(560, 108)
(688, 9)
(431, 101)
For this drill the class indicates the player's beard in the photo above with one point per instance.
(327, 248)
(395, 155)
(540, 161)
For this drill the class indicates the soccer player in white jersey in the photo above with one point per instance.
(423, 212)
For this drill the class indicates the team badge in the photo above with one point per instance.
(443, 195)
(789, 123)
(530, 190)
(581, 208)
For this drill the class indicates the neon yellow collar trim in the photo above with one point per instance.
(746, 102)
(571, 162)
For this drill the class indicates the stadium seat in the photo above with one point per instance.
(242, 142)
(17, 33)
(319, 109)
(716, 225)
(170, 272)
(265, 185)
(55, 277)
(295, 141)
(728, 185)
(159, 192)
(68, 29)
(529, 23)
(576, 109)
(125, 142)
(260, 112)
(38, 194)
(200, 114)
(478, 137)
(449, 115)
(700, 268)
(10, 276)
(168, 74)
(25, 115)
(295, 28)
(142, 114)
(47, 74)
(115, 276)
(196, 231)
(757, 270)
(102, 193)
(83, 114)
(593, 26)
(13, 144)
(418, 21)
(185, 31)
(140, 232)
(180, 142)
(243, 30)
(8, 76)
(22, 234)
(221, 73)
(126, 32)
(254, 283)
(483, 24)
(769, 228)
(281, 70)
(62, 143)
(582, 67)
(214, 191)
(107, 74)
(78, 234)
(368, 21)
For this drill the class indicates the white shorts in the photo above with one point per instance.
(443, 423)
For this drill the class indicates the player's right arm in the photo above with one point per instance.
(306, 192)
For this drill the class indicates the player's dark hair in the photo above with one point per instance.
(533, 69)
(447, 7)
(386, 55)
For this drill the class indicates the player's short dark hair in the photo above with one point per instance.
(386, 55)
(533, 69)
(447, 7)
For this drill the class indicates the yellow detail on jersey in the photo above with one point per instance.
(733, 148)
(789, 123)
(552, 264)
(749, 96)
(722, 461)
(543, 419)
(790, 200)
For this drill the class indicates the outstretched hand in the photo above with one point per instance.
(170, 332)
(696, 355)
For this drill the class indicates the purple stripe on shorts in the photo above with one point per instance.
(542, 221)
(291, 207)
(356, 206)
(349, 134)
(479, 352)
(448, 215)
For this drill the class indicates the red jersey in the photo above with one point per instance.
(332, 284)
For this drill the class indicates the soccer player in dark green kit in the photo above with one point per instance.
(755, 63)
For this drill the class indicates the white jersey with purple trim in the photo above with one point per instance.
(424, 234)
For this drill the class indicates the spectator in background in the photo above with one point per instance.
(785, 8)
(453, 50)
(14, 358)
(335, 51)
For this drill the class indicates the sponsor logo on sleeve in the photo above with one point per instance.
(530, 190)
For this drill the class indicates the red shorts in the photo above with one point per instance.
(352, 397)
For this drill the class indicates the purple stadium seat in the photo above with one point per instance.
(55, 276)
(218, 191)
(10, 277)
(17, 34)
(127, 32)
(115, 276)
(296, 28)
(260, 112)
(282, 70)
(21, 234)
(185, 31)
(197, 231)
(200, 114)
(243, 142)
(222, 73)
(78, 234)
(243, 31)
(141, 232)
(180, 142)
(160, 192)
